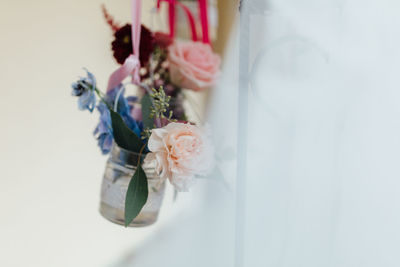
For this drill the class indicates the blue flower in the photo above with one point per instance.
(85, 90)
(103, 131)
(112, 95)
(123, 108)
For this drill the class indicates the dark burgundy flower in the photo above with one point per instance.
(163, 40)
(122, 44)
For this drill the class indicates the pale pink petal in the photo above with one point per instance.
(193, 65)
(181, 151)
(156, 140)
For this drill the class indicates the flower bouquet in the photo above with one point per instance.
(148, 135)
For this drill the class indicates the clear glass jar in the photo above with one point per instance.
(119, 170)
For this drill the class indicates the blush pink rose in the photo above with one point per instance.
(193, 65)
(181, 152)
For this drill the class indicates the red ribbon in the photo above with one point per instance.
(204, 20)
(192, 24)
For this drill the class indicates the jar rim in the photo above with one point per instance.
(117, 147)
(125, 157)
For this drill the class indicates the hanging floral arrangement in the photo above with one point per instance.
(147, 135)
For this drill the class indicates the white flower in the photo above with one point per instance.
(181, 151)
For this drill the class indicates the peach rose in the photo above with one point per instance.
(193, 65)
(181, 151)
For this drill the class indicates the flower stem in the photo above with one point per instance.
(98, 92)
(141, 152)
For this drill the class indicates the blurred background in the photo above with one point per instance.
(51, 165)
(315, 118)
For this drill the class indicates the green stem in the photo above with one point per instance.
(141, 152)
(98, 92)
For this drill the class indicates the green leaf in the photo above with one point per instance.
(148, 122)
(123, 136)
(136, 196)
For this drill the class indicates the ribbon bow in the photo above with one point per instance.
(203, 18)
(131, 65)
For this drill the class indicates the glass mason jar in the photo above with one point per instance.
(120, 168)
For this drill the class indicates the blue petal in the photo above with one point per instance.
(87, 101)
(123, 105)
(105, 143)
(87, 98)
(103, 131)
(91, 79)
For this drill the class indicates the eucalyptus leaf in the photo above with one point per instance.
(148, 122)
(136, 196)
(123, 136)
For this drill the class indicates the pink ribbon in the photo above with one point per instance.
(171, 13)
(131, 65)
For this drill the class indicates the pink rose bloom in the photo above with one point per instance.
(181, 151)
(193, 65)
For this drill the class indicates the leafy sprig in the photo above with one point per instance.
(155, 107)
(160, 104)
(160, 107)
